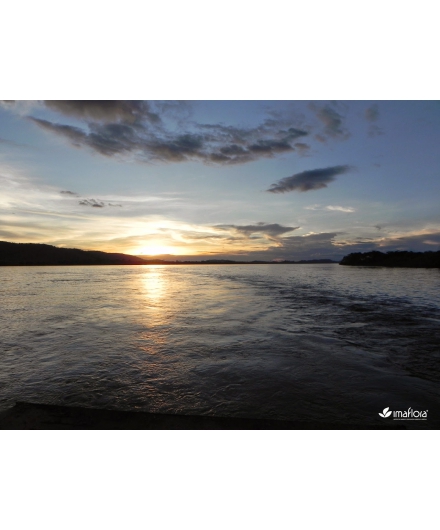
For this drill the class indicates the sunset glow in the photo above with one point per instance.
(247, 180)
(156, 250)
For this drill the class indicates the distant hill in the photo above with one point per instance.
(39, 254)
(393, 259)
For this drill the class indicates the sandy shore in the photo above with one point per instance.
(29, 416)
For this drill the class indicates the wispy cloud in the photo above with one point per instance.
(313, 179)
(332, 121)
(372, 113)
(11, 143)
(302, 148)
(347, 209)
(372, 116)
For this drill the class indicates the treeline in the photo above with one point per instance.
(398, 258)
(40, 254)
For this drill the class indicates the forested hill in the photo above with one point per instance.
(393, 259)
(39, 254)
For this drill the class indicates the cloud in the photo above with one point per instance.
(96, 204)
(347, 209)
(310, 246)
(74, 134)
(268, 229)
(331, 245)
(242, 246)
(92, 202)
(11, 143)
(106, 111)
(372, 115)
(373, 131)
(419, 242)
(332, 121)
(313, 179)
(66, 192)
(416, 242)
(139, 129)
(302, 148)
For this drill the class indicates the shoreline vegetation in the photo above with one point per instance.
(398, 258)
(34, 254)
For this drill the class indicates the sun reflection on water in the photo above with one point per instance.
(154, 286)
(154, 283)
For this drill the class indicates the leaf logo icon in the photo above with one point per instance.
(386, 413)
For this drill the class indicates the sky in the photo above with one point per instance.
(247, 180)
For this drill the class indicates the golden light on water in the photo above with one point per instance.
(154, 287)
(154, 283)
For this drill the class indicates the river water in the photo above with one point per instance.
(322, 343)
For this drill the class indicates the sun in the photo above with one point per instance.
(156, 250)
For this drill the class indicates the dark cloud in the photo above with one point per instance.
(105, 110)
(177, 149)
(140, 129)
(302, 148)
(74, 134)
(332, 121)
(97, 204)
(273, 229)
(266, 147)
(293, 134)
(66, 192)
(92, 202)
(313, 179)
